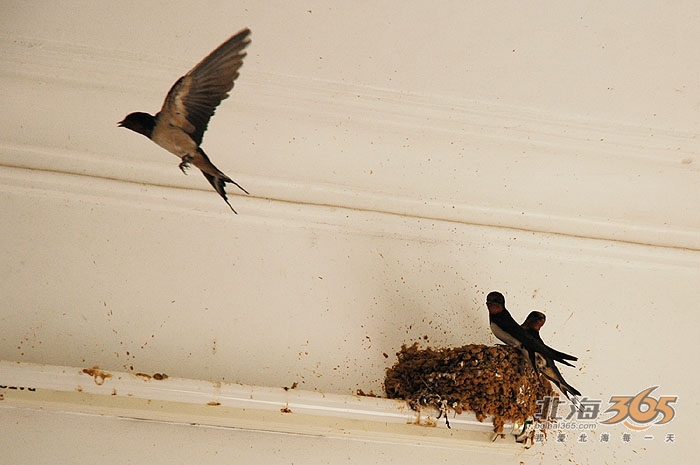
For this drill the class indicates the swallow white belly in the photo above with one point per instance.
(504, 336)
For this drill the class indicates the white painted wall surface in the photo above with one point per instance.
(404, 159)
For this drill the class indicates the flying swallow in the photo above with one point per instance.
(180, 124)
(532, 324)
(505, 328)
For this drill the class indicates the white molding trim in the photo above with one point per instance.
(162, 398)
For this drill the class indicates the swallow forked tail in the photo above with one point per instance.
(573, 397)
(568, 390)
(218, 180)
(551, 372)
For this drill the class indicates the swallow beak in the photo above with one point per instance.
(120, 124)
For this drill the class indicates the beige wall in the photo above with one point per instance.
(403, 161)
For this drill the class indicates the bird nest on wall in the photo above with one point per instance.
(487, 380)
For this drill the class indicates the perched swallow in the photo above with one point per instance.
(180, 124)
(505, 328)
(532, 324)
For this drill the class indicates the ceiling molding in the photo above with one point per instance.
(318, 142)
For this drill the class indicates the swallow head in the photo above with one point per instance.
(143, 123)
(495, 302)
(535, 320)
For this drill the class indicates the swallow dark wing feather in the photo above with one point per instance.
(557, 355)
(506, 322)
(561, 357)
(535, 334)
(193, 99)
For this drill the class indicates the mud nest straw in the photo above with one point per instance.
(487, 380)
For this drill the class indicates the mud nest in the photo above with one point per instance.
(487, 380)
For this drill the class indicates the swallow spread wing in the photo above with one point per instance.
(180, 124)
(505, 328)
(532, 324)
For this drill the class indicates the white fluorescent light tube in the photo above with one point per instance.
(187, 401)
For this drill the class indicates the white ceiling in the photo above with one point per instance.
(403, 159)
